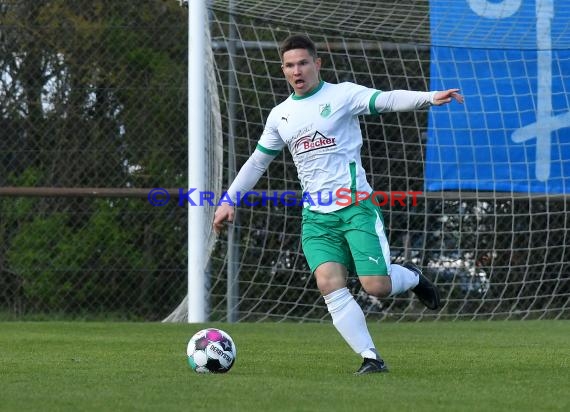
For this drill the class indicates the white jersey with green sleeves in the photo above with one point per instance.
(322, 131)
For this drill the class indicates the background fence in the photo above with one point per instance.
(93, 95)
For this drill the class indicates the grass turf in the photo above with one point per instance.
(468, 366)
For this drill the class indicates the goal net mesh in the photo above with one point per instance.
(496, 252)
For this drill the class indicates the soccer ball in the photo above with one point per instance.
(211, 351)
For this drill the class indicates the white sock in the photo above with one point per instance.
(402, 279)
(349, 321)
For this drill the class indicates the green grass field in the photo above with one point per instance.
(461, 366)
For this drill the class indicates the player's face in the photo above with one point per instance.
(301, 70)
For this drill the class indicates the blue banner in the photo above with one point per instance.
(512, 64)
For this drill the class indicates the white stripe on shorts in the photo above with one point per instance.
(383, 241)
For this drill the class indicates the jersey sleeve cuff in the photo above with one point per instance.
(432, 97)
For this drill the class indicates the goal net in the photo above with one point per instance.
(491, 224)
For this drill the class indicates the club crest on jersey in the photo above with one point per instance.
(325, 110)
(308, 143)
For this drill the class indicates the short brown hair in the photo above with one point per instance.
(298, 41)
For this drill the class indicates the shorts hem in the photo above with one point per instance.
(330, 261)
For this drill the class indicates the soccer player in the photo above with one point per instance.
(319, 124)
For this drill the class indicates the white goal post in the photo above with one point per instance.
(205, 163)
(491, 224)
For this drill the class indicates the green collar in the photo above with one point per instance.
(312, 92)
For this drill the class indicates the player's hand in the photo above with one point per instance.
(224, 213)
(447, 96)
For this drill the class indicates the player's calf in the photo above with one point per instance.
(377, 286)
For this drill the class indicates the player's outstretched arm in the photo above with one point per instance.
(447, 96)
(406, 100)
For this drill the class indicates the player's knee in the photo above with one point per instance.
(328, 285)
(330, 276)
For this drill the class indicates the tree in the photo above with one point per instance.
(94, 95)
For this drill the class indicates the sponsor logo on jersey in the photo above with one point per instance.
(308, 143)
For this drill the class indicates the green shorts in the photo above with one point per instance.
(353, 236)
